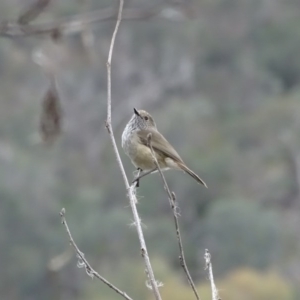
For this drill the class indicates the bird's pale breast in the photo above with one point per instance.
(141, 155)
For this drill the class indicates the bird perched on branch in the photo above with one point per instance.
(135, 142)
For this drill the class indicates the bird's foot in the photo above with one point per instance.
(136, 181)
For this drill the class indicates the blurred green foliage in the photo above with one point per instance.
(258, 241)
(249, 284)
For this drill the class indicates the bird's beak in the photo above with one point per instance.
(136, 112)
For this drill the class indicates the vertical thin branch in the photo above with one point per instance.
(82, 262)
(130, 189)
(172, 200)
(214, 290)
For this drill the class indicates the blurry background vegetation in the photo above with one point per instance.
(222, 79)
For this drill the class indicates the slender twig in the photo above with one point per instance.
(131, 189)
(84, 263)
(172, 200)
(214, 290)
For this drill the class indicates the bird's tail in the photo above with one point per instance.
(184, 168)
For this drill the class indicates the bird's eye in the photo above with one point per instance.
(146, 118)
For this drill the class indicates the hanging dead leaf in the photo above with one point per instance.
(50, 121)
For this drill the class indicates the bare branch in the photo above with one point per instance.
(33, 11)
(131, 189)
(82, 262)
(71, 25)
(172, 201)
(214, 291)
(77, 23)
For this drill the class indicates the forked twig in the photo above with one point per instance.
(82, 262)
(214, 290)
(130, 189)
(172, 201)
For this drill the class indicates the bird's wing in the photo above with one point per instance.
(159, 143)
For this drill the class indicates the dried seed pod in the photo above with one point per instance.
(51, 115)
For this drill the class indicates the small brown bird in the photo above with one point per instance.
(135, 145)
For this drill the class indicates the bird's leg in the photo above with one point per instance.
(141, 175)
(138, 171)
